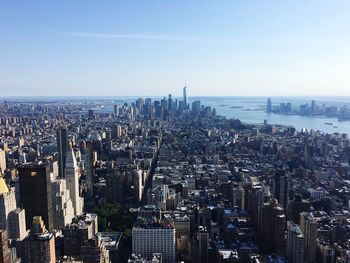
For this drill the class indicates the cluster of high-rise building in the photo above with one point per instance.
(167, 181)
(312, 109)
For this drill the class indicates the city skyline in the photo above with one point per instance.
(171, 180)
(133, 49)
(175, 131)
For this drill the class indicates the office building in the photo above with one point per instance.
(279, 231)
(4, 249)
(295, 243)
(116, 109)
(39, 246)
(114, 191)
(309, 155)
(280, 187)
(2, 161)
(17, 224)
(199, 246)
(313, 107)
(63, 209)
(91, 114)
(139, 104)
(297, 206)
(308, 226)
(272, 227)
(87, 157)
(82, 228)
(62, 147)
(196, 106)
(7, 203)
(269, 105)
(72, 174)
(185, 96)
(170, 103)
(149, 237)
(203, 241)
(326, 253)
(238, 197)
(255, 201)
(35, 193)
(182, 225)
(180, 222)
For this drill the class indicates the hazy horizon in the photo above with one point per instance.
(175, 96)
(226, 48)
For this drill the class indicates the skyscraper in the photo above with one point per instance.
(196, 106)
(139, 104)
(269, 105)
(4, 249)
(272, 227)
(295, 243)
(7, 203)
(87, 157)
(309, 155)
(313, 107)
(255, 203)
(72, 177)
(62, 146)
(297, 206)
(238, 196)
(39, 246)
(185, 96)
(116, 109)
(280, 187)
(35, 193)
(2, 161)
(114, 191)
(170, 103)
(63, 209)
(203, 240)
(308, 226)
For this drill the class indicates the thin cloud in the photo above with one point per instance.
(143, 37)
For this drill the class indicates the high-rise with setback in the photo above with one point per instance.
(39, 246)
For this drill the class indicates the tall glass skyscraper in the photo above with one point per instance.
(62, 146)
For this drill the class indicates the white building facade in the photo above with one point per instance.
(62, 204)
(72, 173)
(149, 240)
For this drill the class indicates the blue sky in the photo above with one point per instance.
(151, 47)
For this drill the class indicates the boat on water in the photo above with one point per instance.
(328, 123)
